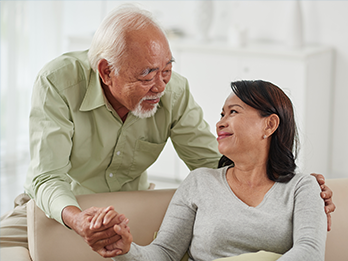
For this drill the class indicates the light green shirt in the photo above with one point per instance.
(79, 144)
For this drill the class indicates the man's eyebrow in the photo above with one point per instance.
(150, 70)
(171, 61)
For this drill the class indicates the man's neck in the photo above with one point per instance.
(116, 105)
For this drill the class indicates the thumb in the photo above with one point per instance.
(121, 228)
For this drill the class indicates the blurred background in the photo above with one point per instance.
(301, 46)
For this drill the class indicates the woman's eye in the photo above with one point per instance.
(233, 111)
(222, 115)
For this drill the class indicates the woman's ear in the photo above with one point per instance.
(104, 71)
(272, 123)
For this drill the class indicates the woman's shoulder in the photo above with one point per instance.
(301, 180)
(205, 175)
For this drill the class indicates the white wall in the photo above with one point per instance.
(48, 26)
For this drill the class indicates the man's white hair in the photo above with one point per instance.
(109, 41)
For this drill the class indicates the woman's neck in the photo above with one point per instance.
(249, 175)
(249, 184)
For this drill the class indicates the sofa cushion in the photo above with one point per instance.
(49, 240)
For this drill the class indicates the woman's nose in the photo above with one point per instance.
(220, 124)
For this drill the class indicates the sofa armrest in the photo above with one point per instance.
(49, 240)
(337, 238)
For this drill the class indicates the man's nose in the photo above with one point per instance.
(160, 84)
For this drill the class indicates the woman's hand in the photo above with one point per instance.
(123, 245)
(326, 194)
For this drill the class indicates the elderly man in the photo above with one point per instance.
(101, 117)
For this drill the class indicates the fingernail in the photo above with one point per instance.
(118, 228)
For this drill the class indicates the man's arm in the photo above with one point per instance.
(52, 132)
(190, 133)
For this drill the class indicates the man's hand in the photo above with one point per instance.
(326, 194)
(97, 236)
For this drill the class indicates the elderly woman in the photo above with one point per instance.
(254, 202)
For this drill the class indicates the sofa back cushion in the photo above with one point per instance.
(49, 240)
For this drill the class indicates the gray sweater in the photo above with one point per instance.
(206, 218)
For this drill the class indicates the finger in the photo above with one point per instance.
(97, 219)
(122, 229)
(108, 253)
(120, 218)
(100, 218)
(93, 220)
(109, 217)
(326, 192)
(108, 238)
(95, 237)
(320, 178)
(329, 206)
(328, 222)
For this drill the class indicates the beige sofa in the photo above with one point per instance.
(49, 240)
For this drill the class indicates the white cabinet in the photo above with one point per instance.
(304, 74)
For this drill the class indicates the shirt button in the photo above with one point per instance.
(111, 175)
(118, 153)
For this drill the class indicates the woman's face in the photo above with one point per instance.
(240, 130)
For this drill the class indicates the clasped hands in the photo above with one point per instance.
(108, 218)
(103, 229)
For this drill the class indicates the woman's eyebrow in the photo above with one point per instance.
(235, 105)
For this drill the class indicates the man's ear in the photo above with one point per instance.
(272, 123)
(104, 71)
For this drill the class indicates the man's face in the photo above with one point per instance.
(143, 76)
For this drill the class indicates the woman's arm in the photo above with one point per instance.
(174, 236)
(309, 223)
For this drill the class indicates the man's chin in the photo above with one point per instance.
(141, 113)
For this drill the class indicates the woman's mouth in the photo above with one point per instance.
(222, 135)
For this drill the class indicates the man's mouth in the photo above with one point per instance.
(152, 101)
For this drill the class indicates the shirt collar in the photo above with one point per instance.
(94, 97)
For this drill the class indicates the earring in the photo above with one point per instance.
(264, 136)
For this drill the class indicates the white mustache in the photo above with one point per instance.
(159, 95)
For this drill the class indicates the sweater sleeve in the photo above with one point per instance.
(175, 234)
(309, 223)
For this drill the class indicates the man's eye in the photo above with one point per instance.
(148, 80)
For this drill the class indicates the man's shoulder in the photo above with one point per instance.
(67, 69)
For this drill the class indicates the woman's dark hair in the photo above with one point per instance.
(269, 99)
